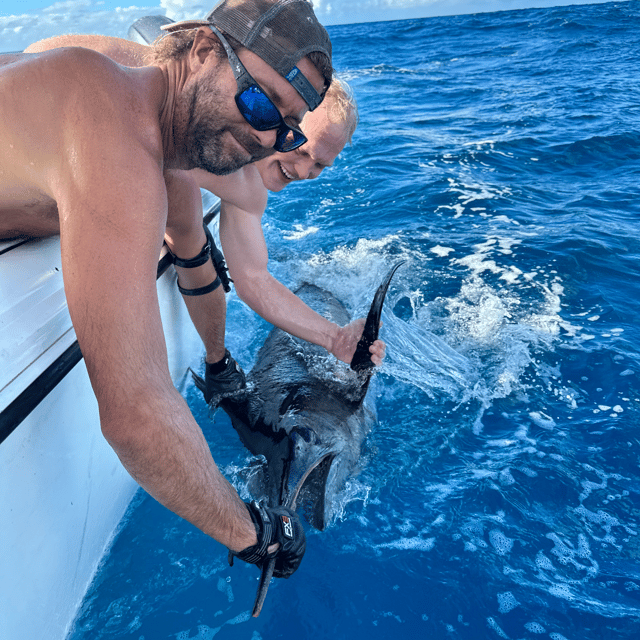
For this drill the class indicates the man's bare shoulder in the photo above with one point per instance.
(73, 108)
(242, 189)
(70, 86)
(60, 65)
(125, 52)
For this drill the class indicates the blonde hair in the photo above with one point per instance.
(341, 107)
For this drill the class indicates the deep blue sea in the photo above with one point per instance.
(499, 155)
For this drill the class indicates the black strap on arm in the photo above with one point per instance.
(200, 291)
(209, 250)
(200, 259)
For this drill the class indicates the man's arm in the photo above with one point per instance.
(185, 238)
(246, 254)
(112, 203)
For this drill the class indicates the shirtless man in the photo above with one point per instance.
(85, 143)
(244, 198)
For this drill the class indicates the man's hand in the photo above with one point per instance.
(346, 340)
(280, 536)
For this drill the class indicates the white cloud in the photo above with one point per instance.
(69, 16)
(67, 5)
(186, 9)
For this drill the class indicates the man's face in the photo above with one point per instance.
(218, 138)
(325, 142)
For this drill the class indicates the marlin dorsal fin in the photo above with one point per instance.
(361, 360)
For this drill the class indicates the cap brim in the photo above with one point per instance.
(185, 24)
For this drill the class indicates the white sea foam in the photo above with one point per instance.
(204, 633)
(207, 633)
(579, 557)
(511, 275)
(242, 617)
(501, 543)
(506, 478)
(443, 252)
(506, 602)
(561, 591)
(480, 310)
(496, 627)
(352, 273)
(478, 265)
(300, 232)
(544, 563)
(224, 586)
(542, 420)
(534, 627)
(528, 472)
(409, 544)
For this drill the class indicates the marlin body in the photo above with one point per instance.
(306, 413)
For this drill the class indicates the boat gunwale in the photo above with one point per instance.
(35, 392)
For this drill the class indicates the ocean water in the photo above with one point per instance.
(499, 155)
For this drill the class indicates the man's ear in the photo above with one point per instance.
(202, 48)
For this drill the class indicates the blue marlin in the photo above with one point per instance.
(306, 413)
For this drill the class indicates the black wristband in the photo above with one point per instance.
(275, 525)
(264, 532)
(214, 368)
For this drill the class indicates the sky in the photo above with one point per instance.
(25, 21)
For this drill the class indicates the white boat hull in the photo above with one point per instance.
(63, 490)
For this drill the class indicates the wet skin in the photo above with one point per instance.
(85, 143)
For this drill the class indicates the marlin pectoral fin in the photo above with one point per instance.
(361, 360)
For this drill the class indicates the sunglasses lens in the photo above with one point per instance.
(257, 109)
(288, 140)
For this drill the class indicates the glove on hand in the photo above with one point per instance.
(275, 525)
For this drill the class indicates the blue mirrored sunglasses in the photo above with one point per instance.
(256, 107)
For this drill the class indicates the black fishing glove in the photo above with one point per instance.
(275, 525)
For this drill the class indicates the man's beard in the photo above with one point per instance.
(205, 144)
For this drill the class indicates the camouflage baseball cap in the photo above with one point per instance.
(281, 32)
